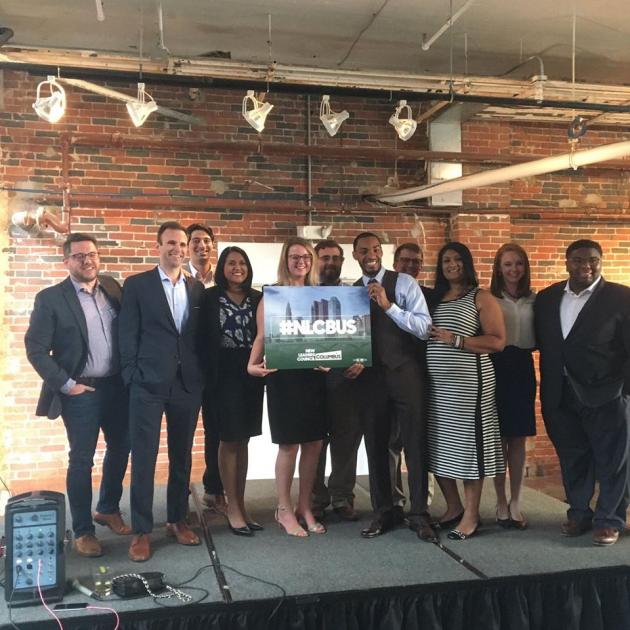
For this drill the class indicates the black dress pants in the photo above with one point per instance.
(592, 445)
(401, 390)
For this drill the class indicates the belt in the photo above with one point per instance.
(93, 381)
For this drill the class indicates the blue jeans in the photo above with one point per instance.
(83, 416)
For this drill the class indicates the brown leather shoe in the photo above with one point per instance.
(88, 546)
(114, 521)
(346, 513)
(575, 528)
(182, 533)
(604, 536)
(140, 548)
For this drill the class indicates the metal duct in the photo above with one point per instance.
(516, 171)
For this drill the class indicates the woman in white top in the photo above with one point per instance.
(515, 377)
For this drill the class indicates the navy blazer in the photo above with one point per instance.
(57, 338)
(151, 349)
(596, 352)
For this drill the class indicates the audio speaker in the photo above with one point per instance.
(35, 524)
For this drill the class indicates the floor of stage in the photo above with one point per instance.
(271, 564)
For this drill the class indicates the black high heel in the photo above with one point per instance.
(240, 531)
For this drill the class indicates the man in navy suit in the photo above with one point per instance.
(72, 343)
(583, 332)
(158, 328)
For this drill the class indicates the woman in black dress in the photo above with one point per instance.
(516, 380)
(228, 319)
(296, 404)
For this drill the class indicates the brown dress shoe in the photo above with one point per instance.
(182, 533)
(88, 546)
(140, 548)
(113, 521)
(575, 528)
(604, 536)
(346, 513)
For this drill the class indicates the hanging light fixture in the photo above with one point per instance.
(257, 115)
(140, 108)
(331, 120)
(405, 127)
(50, 108)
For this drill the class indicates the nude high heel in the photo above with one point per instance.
(298, 532)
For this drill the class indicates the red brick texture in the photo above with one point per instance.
(122, 195)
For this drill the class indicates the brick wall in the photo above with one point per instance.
(122, 194)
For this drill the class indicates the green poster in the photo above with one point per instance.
(307, 327)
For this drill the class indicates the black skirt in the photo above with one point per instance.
(296, 402)
(515, 392)
(237, 397)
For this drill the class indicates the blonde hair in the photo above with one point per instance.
(284, 279)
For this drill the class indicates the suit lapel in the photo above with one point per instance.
(161, 296)
(70, 295)
(586, 309)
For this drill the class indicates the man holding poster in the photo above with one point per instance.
(398, 313)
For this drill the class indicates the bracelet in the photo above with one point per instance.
(458, 342)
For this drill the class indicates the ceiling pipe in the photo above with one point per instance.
(516, 171)
(427, 43)
(321, 151)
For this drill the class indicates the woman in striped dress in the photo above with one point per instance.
(463, 426)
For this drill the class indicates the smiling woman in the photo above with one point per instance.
(296, 404)
(463, 427)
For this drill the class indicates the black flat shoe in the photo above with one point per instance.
(241, 531)
(448, 523)
(506, 523)
(455, 534)
(254, 526)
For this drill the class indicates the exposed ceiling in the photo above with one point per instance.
(361, 43)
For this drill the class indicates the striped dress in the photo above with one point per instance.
(463, 426)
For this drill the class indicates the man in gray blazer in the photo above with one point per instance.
(72, 342)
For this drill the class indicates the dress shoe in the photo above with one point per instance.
(241, 531)
(575, 528)
(456, 534)
(114, 521)
(346, 513)
(506, 523)
(140, 548)
(447, 524)
(604, 536)
(424, 531)
(297, 532)
(88, 546)
(182, 533)
(254, 526)
(380, 525)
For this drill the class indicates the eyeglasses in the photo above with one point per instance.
(81, 258)
(296, 258)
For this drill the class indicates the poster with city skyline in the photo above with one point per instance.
(307, 327)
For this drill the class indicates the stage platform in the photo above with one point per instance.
(499, 579)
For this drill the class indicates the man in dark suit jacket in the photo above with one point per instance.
(72, 343)
(158, 329)
(583, 332)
